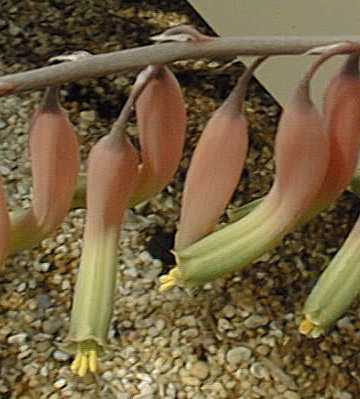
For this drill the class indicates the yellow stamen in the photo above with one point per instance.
(93, 361)
(306, 326)
(83, 369)
(76, 363)
(170, 280)
(86, 358)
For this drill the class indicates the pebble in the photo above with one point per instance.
(192, 381)
(60, 383)
(258, 370)
(51, 326)
(2, 124)
(21, 287)
(255, 321)
(291, 395)
(88, 116)
(144, 396)
(61, 356)
(238, 355)
(229, 311)
(17, 339)
(200, 370)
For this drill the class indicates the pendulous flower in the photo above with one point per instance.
(215, 167)
(301, 160)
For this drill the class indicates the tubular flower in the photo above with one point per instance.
(4, 226)
(112, 172)
(339, 284)
(342, 121)
(161, 118)
(301, 148)
(55, 162)
(215, 167)
(336, 289)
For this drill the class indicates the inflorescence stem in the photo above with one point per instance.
(136, 58)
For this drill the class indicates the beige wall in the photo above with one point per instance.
(283, 17)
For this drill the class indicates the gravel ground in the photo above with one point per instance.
(237, 338)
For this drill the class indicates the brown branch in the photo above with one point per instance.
(120, 61)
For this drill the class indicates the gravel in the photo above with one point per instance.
(237, 337)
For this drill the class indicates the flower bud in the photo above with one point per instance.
(161, 118)
(215, 167)
(55, 162)
(342, 121)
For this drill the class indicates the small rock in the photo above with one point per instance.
(108, 376)
(258, 370)
(255, 321)
(291, 395)
(60, 383)
(344, 322)
(224, 324)
(17, 339)
(229, 311)
(14, 30)
(88, 116)
(51, 326)
(200, 370)
(44, 301)
(238, 355)
(21, 287)
(44, 371)
(343, 395)
(61, 356)
(192, 381)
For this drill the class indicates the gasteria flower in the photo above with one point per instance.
(342, 121)
(220, 152)
(161, 118)
(301, 160)
(339, 284)
(112, 173)
(55, 162)
(336, 289)
(4, 226)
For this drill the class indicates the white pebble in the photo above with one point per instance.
(238, 355)
(61, 356)
(60, 383)
(17, 339)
